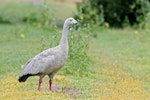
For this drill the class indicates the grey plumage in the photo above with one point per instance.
(49, 61)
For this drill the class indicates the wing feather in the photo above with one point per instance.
(40, 62)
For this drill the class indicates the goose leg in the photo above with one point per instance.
(39, 85)
(50, 84)
(40, 81)
(50, 81)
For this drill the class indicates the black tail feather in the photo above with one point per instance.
(25, 77)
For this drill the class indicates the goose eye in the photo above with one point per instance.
(70, 20)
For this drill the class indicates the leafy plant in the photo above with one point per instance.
(79, 61)
(88, 15)
(4, 20)
(116, 12)
(39, 18)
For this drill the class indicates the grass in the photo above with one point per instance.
(120, 64)
(15, 12)
(123, 64)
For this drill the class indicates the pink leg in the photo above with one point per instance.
(50, 84)
(50, 81)
(39, 85)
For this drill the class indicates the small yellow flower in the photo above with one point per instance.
(39, 25)
(107, 25)
(147, 27)
(136, 32)
(22, 35)
(57, 94)
(81, 17)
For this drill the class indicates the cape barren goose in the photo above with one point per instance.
(49, 61)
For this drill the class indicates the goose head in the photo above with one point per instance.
(70, 21)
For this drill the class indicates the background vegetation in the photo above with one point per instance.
(118, 13)
(104, 63)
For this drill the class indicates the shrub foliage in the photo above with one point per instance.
(115, 12)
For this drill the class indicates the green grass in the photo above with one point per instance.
(16, 11)
(117, 55)
(121, 61)
(125, 50)
(14, 48)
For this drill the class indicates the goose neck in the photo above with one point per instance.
(64, 39)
